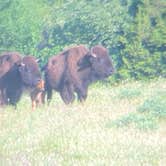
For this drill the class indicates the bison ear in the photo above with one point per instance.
(5, 59)
(84, 62)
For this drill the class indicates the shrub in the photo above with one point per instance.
(155, 105)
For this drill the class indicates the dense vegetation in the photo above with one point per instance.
(133, 30)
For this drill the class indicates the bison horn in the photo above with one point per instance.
(38, 60)
(93, 54)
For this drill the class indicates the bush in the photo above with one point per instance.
(140, 121)
(129, 93)
(148, 114)
(155, 106)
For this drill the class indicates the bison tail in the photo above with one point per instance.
(49, 95)
(48, 92)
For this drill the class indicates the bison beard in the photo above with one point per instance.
(74, 69)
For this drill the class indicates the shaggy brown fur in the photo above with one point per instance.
(74, 69)
(24, 73)
(7, 61)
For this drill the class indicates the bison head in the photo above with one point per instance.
(29, 71)
(98, 61)
(7, 60)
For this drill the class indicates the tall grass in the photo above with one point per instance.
(118, 125)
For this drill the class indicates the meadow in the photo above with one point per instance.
(118, 125)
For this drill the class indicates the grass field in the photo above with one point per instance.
(120, 125)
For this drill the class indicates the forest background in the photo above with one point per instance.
(134, 31)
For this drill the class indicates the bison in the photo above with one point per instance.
(24, 73)
(7, 61)
(74, 69)
(37, 95)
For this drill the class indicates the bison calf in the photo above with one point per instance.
(37, 95)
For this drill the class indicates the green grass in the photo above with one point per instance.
(155, 105)
(118, 125)
(149, 113)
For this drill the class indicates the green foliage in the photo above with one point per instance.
(147, 115)
(140, 121)
(129, 93)
(141, 57)
(155, 106)
(20, 26)
(132, 30)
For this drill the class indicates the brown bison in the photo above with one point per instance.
(23, 74)
(7, 61)
(29, 71)
(74, 69)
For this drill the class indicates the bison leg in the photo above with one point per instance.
(82, 93)
(33, 105)
(43, 97)
(13, 95)
(67, 94)
(47, 92)
(49, 95)
(36, 98)
(3, 98)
